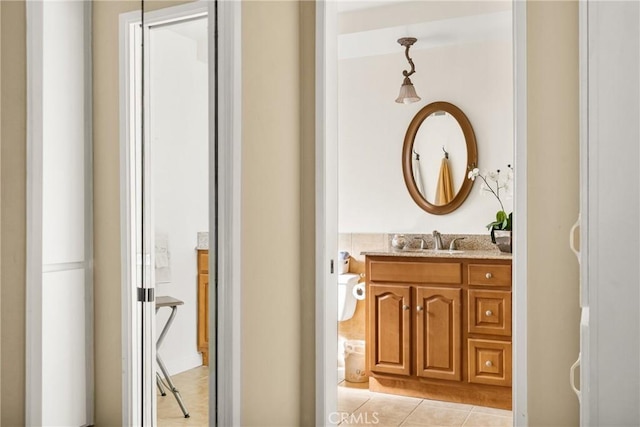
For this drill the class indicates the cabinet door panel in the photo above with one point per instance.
(203, 317)
(203, 261)
(438, 333)
(389, 336)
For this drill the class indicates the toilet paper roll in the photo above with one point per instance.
(358, 291)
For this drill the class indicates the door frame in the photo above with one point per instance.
(224, 208)
(327, 203)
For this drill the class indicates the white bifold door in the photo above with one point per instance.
(609, 387)
(59, 215)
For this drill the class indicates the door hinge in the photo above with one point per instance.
(145, 295)
(331, 267)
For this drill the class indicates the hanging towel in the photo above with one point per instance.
(444, 192)
(162, 258)
(417, 175)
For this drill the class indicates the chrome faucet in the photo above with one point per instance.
(437, 238)
(452, 245)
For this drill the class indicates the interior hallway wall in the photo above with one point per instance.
(553, 205)
(106, 190)
(271, 214)
(306, 309)
(13, 137)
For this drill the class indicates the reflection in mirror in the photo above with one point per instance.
(175, 186)
(439, 148)
(440, 158)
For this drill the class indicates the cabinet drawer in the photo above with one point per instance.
(489, 312)
(490, 274)
(203, 261)
(489, 362)
(416, 272)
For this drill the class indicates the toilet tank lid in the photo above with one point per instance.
(344, 279)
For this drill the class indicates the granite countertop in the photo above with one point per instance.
(430, 253)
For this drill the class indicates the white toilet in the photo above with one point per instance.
(346, 300)
(346, 308)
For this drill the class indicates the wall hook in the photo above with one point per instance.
(446, 155)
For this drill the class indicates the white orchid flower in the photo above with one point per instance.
(499, 183)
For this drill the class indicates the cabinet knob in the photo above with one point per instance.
(488, 313)
(419, 308)
(405, 307)
(488, 364)
(488, 275)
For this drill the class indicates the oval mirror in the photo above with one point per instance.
(439, 149)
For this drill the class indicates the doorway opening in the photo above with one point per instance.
(346, 61)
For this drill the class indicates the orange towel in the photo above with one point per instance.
(444, 192)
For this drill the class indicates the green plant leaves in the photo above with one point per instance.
(502, 222)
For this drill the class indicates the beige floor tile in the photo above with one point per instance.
(406, 399)
(194, 388)
(383, 410)
(350, 398)
(448, 405)
(428, 416)
(477, 419)
(493, 411)
(359, 407)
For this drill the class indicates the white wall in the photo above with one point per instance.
(179, 149)
(476, 77)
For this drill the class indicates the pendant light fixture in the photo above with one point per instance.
(407, 91)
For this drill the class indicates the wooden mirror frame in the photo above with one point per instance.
(407, 166)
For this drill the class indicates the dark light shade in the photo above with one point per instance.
(407, 93)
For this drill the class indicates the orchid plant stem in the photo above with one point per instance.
(494, 192)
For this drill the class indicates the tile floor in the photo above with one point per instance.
(194, 388)
(357, 406)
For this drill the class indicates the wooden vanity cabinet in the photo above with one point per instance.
(203, 305)
(440, 328)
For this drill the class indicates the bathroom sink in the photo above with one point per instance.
(452, 251)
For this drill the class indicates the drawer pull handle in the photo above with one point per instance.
(488, 364)
(488, 275)
(405, 307)
(488, 313)
(419, 308)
